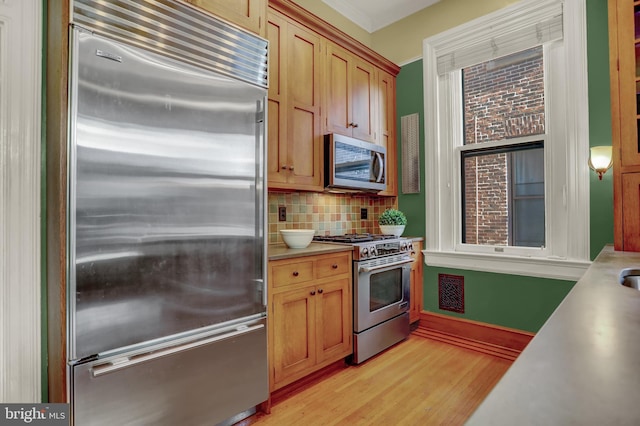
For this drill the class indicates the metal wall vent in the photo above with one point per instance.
(178, 31)
(410, 145)
(451, 292)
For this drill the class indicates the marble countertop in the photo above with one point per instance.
(583, 366)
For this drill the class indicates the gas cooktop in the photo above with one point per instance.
(354, 238)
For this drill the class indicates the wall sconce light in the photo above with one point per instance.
(600, 159)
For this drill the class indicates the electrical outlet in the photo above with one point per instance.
(364, 213)
(282, 213)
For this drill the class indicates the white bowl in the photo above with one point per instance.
(297, 238)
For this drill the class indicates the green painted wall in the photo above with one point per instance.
(409, 100)
(601, 192)
(512, 301)
(509, 300)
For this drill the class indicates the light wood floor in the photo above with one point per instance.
(417, 382)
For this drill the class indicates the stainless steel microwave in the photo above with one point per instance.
(353, 164)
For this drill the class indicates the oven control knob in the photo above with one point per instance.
(373, 251)
(364, 252)
(410, 247)
(403, 247)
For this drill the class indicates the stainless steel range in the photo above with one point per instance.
(381, 274)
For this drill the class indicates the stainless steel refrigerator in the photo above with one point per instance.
(166, 244)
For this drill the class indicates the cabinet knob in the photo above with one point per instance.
(313, 292)
(290, 167)
(295, 273)
(334, 266)
(354, 125)
(320, 291)
(283, 167)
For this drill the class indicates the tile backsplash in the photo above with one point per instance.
(327, 214)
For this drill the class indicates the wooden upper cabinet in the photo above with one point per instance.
(322, 81)
(249, 14)
(295, 133)
(628, 73)
(386, 84)
(350, 95)
(624, 50)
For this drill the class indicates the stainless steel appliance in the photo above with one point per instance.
(354, 164)
(381, 289)
(166, 282)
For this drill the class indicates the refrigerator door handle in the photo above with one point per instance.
(125, 362)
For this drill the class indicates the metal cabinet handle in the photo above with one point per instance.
(320, 291)
(334, 266)
(312, 292)
(296, 273)
(354, 125)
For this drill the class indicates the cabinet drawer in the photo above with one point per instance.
(292, 273)
(332, 266)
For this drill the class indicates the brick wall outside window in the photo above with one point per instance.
(503, 98)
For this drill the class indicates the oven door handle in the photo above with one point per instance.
(375, 268)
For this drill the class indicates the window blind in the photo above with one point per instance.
(510, 40)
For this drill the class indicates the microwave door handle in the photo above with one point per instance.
(380, 167)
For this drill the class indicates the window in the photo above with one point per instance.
(503, 184)
(507, 142)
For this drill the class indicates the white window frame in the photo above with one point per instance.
(566, 253)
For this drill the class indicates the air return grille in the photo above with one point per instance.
(451, 292)
(178, 31)
(410, 143)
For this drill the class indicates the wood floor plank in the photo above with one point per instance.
(417, 382)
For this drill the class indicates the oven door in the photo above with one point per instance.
(381, 290)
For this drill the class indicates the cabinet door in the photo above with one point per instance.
(629, 75)
(338, 91)
(278, 162)
(387, 128)
(248, 14)
(304, 52)
(295, 133)
(363, 100)
(630, 209)
(294, 334)
(334, 323)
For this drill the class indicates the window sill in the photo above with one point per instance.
(560, 269)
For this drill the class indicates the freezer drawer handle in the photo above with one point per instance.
(121, 363)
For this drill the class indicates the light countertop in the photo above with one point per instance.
(583, 366)
(281, 251)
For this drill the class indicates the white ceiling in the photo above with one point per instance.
(375, 14)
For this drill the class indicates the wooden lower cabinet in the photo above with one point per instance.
(310, 324)
(630, 209)
(416, 283)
